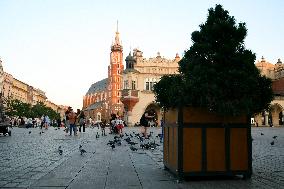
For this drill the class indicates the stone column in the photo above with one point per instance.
(266, 118)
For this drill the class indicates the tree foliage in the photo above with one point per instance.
(15, 107)
(218, 72)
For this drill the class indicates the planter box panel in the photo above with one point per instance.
(192, 149)
(172, 148)
(166, 145)
(171, 117)
(200, 115)
(175, 148)
(215, 149)
(239, 149)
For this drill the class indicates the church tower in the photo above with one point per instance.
(115, 70)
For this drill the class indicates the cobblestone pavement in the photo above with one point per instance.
(31, 160)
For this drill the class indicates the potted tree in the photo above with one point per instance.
(207, 125)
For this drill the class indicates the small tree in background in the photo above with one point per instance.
(217, 72)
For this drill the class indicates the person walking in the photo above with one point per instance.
(144, 122)
(119, 125)
(103, 126)
(58, 122)
(67, 125)
(72, 121)
(81, 120)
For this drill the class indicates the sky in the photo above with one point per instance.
(63, 46)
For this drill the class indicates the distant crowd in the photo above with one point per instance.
(74, 122)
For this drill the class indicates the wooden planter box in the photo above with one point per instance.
(200, 143)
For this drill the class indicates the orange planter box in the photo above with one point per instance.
(201, 143)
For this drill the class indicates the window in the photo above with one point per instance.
(126, 84)
(151, 86)
(133, 85)
(147, 86)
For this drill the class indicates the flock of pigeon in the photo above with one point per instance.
(133, 139)
(81, 150)
(274, 138)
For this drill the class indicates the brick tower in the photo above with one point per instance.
(115, 70)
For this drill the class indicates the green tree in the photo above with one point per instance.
(17, 108)
(218, 72)
(39, 109)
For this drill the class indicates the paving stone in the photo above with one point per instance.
(2, 182)
(33, 161)
(11, 185)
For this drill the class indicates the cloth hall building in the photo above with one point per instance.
(127, 92)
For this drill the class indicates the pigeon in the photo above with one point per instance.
(274, 137)
(132, 143)
(113, 146)
(272, 143)
(110, 142)
(97, 135)
(30, 132)
(60, 150)
(133, 148)
(261, 134)
(82, 151)
(40, 133)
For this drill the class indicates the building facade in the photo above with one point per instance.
(1, 76)
(274, 116)
(139, 77)
(103, 97)
(95, 102)
(127, 93)
(12, 88)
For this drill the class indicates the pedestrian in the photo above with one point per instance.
(67, 125)
(103, 126)
(82, 121)
(72, 122)
(58, 122)
(46, 122)
(42, 121)
(112, 123)
(144, 122)
(119, 125)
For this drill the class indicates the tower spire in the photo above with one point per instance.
(117, 42)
